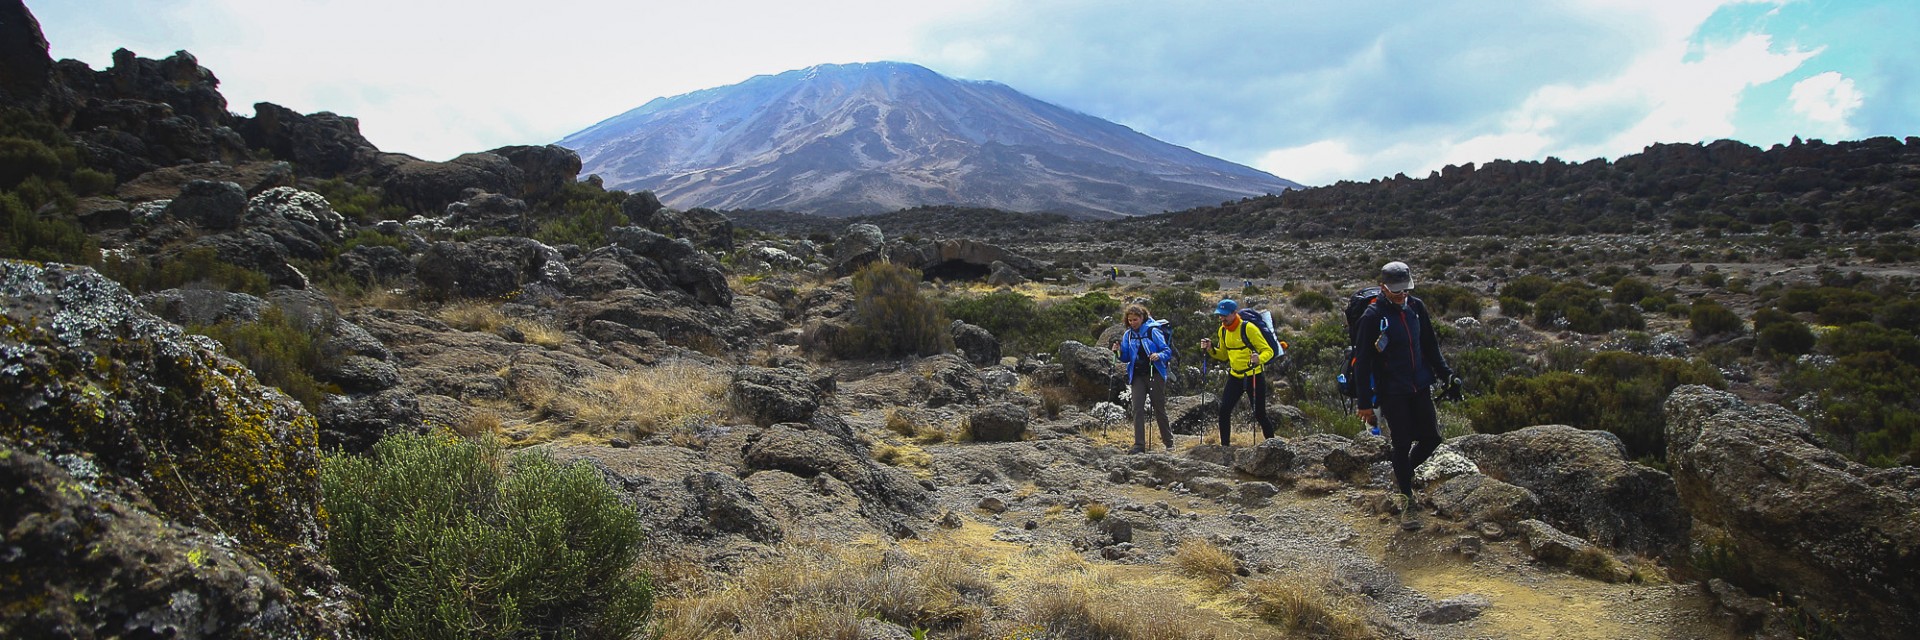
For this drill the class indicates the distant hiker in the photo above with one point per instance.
(1245, 353)
(1399, 359)
(1145, 352)
(1114, 275)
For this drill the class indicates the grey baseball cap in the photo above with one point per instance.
(1396, 277)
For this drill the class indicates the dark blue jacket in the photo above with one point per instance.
(1154, 341)
(1411, 361)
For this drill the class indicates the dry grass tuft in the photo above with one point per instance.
(1205, 561)
(478, 423)
(472, 315)
(538, 333)
(823, 591)
(1315, 487)
(904, 455)
(635, 403)
(1308, 605)
(904, 424)
(1097, 512)
(1092, 610)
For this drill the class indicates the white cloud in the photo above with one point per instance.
(1312, 164)
(1826, 98)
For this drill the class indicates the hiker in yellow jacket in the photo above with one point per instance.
(1245, 351)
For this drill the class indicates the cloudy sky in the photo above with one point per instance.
(1311, 90)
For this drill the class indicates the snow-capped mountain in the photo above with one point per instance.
(867, 138)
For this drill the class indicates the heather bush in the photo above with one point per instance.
(197, 267)
(1708, 318)
(890, 316)
(449, 538)
(279, 351)
(1620, 392)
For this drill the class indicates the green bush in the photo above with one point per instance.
(280, 352)
(1707, 318)
(359, 203)
(46, 239)
(452, 539)
(1313, 301)
(1024, 326)
(1527, 288)
(1784, 339)
(890, 317)
(1620, 392)
(1629, 290)
(1450, 300)
(199, 266)
(1583, 309)
(585, 214)
(1176, 303)
(21, 158)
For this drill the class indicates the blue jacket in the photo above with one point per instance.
(1411, 361)
(1154, 340)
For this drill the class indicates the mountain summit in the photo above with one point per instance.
(867, 138)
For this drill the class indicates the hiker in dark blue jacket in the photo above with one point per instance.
(1399, 359)
(1144, 351)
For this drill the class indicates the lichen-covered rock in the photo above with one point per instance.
(209, 205)
(1269, 459)
(1586, 484)
(1092, 373)
(688, 269)
(776, 395)
(1474, 498)
(978, 344)
(1842, 537)
(170, 428)
(489, 268)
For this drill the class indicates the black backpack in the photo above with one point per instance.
(1356, 307)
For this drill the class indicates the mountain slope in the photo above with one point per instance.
(866, 138)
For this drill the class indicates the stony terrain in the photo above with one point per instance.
(160, 487)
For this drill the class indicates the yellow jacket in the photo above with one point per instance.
(1243, 359)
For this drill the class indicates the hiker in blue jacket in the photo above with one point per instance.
(1399, 359)
(1144, 351)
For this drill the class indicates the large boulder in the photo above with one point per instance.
(544, 170)
(431, 186)
(887, 494)
(689, 269)
(999, 422)
(1841, 537)
(488, 268)
(859, 245)
(302, 221)
(490, 211)
(1586, 484)
(769, 396)
(1092, 373)
(323, 144)
(978, 344)
(209, 205)
(182, 495)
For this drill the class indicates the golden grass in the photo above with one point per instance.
(485, 317)
(954, 584)
(471, 315)
(1308, 604)
(1205, 561)
(907, 456)
(900, 422)
(635, 403)
(1097, 511)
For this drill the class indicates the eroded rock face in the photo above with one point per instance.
(195, 457)
(1842, 537)
(1586, 485)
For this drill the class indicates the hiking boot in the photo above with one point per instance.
(1398, 503)
(1410, 518)
(1137, 449)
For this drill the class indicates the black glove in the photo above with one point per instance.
(1452, 392)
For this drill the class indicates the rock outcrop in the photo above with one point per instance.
(186, 489)
(1841, 537)
(1585, 484)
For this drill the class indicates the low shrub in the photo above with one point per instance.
(1708, 318)
(279, 351)
(1620, 392)
(890, 316)
(449, 538)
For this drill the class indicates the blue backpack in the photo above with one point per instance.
(1260, 319)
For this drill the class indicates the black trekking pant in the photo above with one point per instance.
(1255, 386)
(1414, 429)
